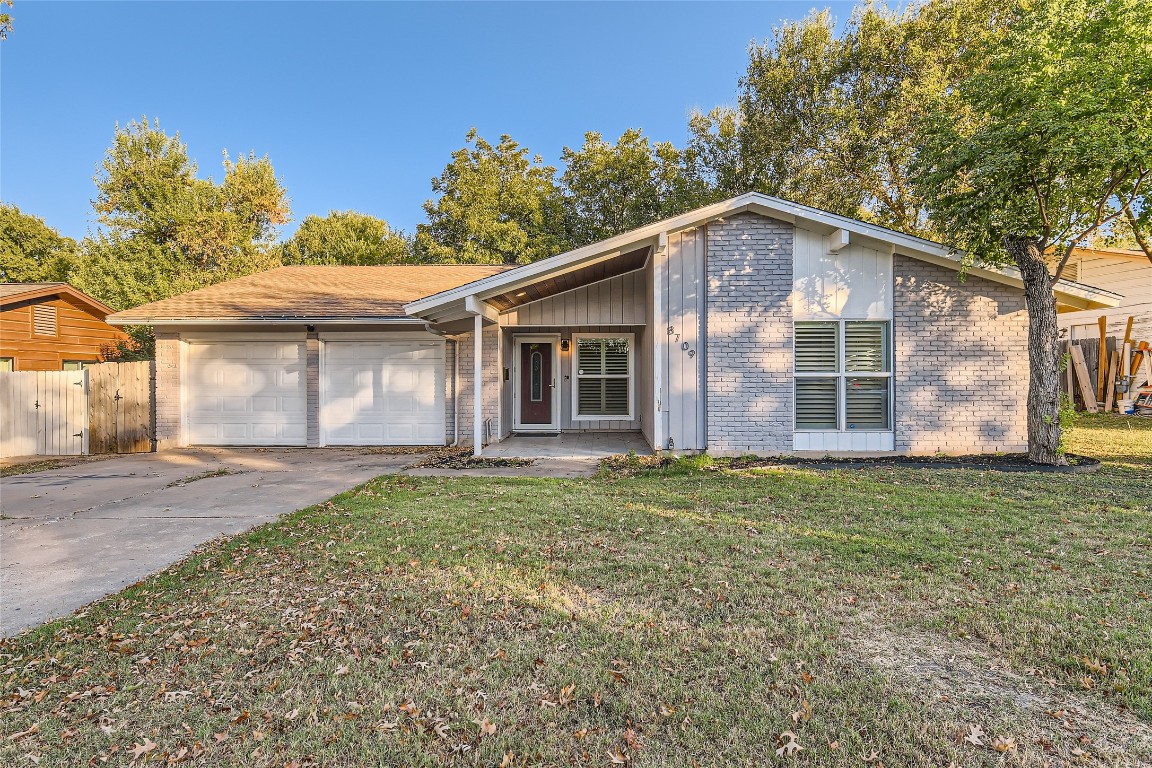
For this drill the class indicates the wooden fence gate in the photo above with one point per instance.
(120, 407)
(106, 408)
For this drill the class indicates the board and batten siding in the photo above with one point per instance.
(617, 301)
(1131, 278)
(852, 283)
(679, 276)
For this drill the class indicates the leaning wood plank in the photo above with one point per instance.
(1141, 352)
(1128, 330)
(1113, 372)
(1103, 359)
(1084, 380)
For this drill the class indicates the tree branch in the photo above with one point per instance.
(1101, 220)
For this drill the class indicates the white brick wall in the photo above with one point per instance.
(492, 384)
(749, 334)
(961, 363)
(167, 390)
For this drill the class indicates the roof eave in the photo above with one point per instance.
(256, 320)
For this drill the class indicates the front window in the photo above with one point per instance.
(603, 368)
(843, 376)
(7, 364)
(78, 365)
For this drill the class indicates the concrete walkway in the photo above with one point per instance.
(78, 533)
(567, 455)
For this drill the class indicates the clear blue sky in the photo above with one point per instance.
(358, 105)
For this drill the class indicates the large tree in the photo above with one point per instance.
(496, 205)
(165, 230)
(348, 238)
(612, 188)
(829, 119)
(30, 250)
(1042, 146)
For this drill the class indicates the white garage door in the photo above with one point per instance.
(246, 393)
(383, 393)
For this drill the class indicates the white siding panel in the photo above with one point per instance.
(684, 307)
(854, 282)
(618, 301)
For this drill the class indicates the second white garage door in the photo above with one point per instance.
(383, 393)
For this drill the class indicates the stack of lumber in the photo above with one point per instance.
(1118, 370)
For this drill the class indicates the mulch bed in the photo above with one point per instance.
(1007, 462)
(463, 459)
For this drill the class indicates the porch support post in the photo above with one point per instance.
(478, 385)
(656, 325)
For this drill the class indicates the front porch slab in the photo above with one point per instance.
(570, 445)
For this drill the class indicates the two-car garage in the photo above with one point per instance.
(370, 392)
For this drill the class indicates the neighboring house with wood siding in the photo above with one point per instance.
(1125, 272)
(753, 325)
(52, 327)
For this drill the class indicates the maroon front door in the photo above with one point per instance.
(536, 383)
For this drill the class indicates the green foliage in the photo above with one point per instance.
(349, 238)
(141, 345)
(1049, 136)
(5, 20)
(148, 188)
(30, 250)
(829, 120)
(166, 231)
(496, 205)
(612, 188)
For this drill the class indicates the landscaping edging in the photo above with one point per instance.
(998, 463)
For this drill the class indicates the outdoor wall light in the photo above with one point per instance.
(564, 343)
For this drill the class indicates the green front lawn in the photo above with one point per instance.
(787, 616)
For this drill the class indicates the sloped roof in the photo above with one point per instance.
(11, 293)
(452, 302)
(304, 293)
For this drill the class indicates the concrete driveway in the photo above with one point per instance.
(75, 534)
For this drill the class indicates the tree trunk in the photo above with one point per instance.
(1043, 351)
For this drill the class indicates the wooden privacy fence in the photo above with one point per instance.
(106, 408)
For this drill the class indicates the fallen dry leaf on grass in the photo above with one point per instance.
(143, 749)
(975, 736)
(790, 745)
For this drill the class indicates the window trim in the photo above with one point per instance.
(631, 377)
(841, 375)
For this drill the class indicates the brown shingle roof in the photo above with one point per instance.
(11, 289)
(311, 293)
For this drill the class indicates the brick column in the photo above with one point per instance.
(167, 392)
(749, 330)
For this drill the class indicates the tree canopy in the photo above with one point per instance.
(348, 238)
(1045, 142)
(828, 120)
(496, 205)
(165, 230)
(30, 250)
(612, 188)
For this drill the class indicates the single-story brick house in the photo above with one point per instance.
(751, 325)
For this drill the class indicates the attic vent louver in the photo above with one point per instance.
(44, 320)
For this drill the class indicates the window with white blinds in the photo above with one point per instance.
(843, 376)
(44, 320)
(603, 368)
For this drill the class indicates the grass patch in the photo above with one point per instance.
(221, 472)
(45, 464)
(875, 615)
